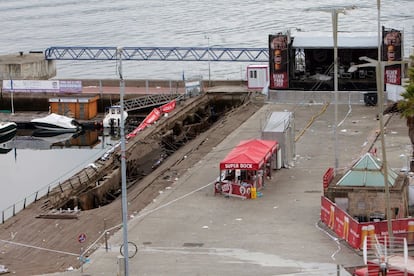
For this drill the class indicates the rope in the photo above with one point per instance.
(40, 248)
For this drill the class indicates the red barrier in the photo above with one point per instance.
(327, 177)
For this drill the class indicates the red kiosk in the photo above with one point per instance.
(246, 167)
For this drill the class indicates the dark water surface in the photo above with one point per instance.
(30, 163)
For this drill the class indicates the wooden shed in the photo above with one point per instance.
(80, 108)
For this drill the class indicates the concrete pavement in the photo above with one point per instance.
(188, 230)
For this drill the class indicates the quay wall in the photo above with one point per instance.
(26, 66)
(39, 101)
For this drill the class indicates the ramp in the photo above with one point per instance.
(149, 101)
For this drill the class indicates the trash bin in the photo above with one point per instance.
(370, 99)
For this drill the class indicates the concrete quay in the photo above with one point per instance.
(187, 230)
(109, 93)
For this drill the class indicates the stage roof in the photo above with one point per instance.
(324, 40)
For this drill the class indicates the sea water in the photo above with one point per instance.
(30, 164)
(36, 25)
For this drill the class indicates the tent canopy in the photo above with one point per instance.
(249, 155)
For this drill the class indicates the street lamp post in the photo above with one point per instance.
(334, 13)
(335, 40)
(380, 85)
(379, 65)
(123, 165)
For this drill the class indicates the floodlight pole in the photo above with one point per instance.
(335, 40)
(123, 165)
(380, 85)
(379, 66)
(334, 14)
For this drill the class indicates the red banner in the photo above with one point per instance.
(350, 230)
(341, 223)
(233, 189)
(168, 107)
(280, 81)
(131, 135)
(393, 74)
(153, 116)
(141, 126)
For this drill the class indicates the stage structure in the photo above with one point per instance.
(304, 61)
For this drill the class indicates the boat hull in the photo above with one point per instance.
(7, 129)
(54, 128)
(56, 123)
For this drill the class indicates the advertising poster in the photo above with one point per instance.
(392, 74)
(392, 51)
(340, 222)
(278, 61)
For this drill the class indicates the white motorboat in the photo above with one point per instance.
(7, 133)
(57, 123)
(113, 116)
(7, 129)
(7, 145)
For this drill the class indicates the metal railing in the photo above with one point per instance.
(149, 101)
(390, 254)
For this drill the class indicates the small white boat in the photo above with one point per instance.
(6, 146)
(56, 122)
(7, 133)
(8, 129)
(113, 116)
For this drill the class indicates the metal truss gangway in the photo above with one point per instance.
(159, 53)
(150, 101)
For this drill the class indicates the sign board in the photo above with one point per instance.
(82, 238)
(42, 86)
